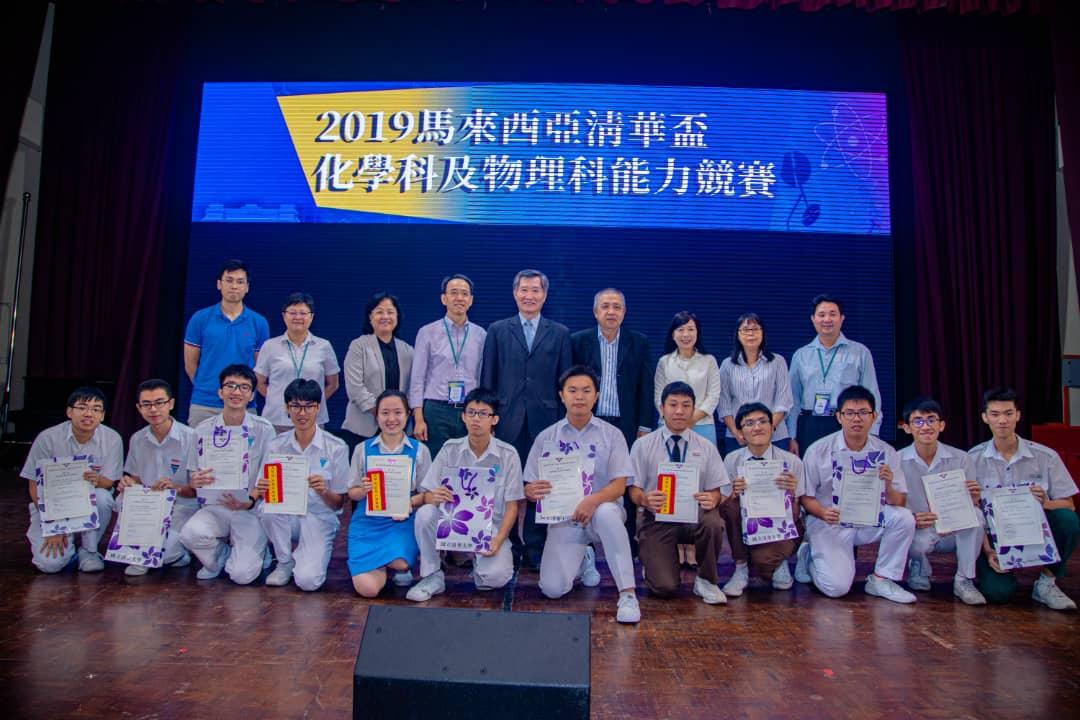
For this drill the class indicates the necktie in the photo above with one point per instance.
(530, 333)
(673, 452)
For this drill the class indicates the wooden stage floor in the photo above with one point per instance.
(168, 646)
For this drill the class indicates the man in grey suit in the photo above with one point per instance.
(524, 355)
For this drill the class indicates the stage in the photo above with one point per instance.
(168, 646)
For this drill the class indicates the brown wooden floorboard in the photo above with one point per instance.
(168, 646)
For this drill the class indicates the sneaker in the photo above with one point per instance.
(629, 611)
(90, 562)
(587, 572)
(1045, 591)
(735, 586)
(208, 573)
(135, 570)
(709, 592)
(184, 561)
(918, 571)
(403, 578)
(781, 577)
(964, 589)
(802, 563)
(886, 588)
(282, 574)
(428, 587)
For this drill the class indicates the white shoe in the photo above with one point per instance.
(886, 588)
(135, 570)
(781, 577)
(802, 563)
(709, 592)
(629, 611)
(208, 573)
(590, 577)
(735, 586)
(964, 589)
(90, 562)
(184, 561)
(1045, 591)
(918, 577)
(282, 574)
(427, 588)
(403, 578)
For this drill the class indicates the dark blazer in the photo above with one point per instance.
(525, 381)
(633, 376)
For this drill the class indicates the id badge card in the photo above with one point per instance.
(455, 392)
(821, 403)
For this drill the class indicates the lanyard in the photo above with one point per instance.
(821, 361)
(456, 353)
(292, 356)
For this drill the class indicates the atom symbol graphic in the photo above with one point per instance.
(849, 137)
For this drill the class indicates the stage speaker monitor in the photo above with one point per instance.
(451, 663)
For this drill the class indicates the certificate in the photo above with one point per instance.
(679, 482)
(67, 494)
(567, 490)
(227, 462)
(860, 498)
(288, 491)
(141, 516)
(466, 523)
(950, 500)
(762, 498)
(1018, 516)
(391, 485)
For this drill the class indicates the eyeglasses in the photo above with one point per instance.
(233, 387)
(760, 422)
(852, 414)
(749, 330)
(92, 409)
(303, 407)
(154, 404)
(925, 422)
(233, 281)
(458, 293)
(297, 313)
(482, 414)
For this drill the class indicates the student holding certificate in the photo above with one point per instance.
(225, 534)
(944, 496)
(386, 468)
(1007, 460)
(441, 516)
(157, 459)
(768, 483)
(673, 468)
(827, 554)
(599, 517)
(77, 463)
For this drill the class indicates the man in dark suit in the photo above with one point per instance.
(524, 356)
(622, 360)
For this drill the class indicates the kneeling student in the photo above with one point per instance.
(493, 565)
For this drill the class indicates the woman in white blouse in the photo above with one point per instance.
(686, 360)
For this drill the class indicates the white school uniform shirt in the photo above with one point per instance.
(652, 450)
(150, 460)
(602, 446)
(421, 466)
(740, 457)
(327, 455)
(105, 446)
(500, 455)
(946, 459)
(699, 372)
(282, 362)
(818, 462)
(259, 434)
(1032, 463)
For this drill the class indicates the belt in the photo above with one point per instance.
(810, 413)
(444, 402)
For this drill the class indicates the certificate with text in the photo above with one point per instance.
(287, 493)
(391, 485)
(567, 490)
(679, 482)
(949, 499)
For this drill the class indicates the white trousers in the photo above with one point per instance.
(565, 548)
(315, 533)
(832, 549)
(489, 573)
(967, 544)
(88, 539)
(212, 525)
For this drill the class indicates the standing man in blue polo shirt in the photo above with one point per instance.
(218, 336)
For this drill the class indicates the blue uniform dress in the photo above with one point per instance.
(375, 542)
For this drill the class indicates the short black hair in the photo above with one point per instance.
(299, 298)
(576, 370)
(237, 370)
(749, 408)
(373, 302)
(1000, 394)
(304, 390)
(232, 266)
(737, 348)
(853, 393)
(154, 384)
(456, 276)
(923, 404)
(392, 393)
(85, 393)
(681, 318)
(485, 396)
(826, 298)
(677, 388)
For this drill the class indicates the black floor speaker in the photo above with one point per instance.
(449, 663)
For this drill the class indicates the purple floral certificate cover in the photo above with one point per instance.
(146, 555)
(859, 464)
(1029, 554)
(65, 526)
(760, 530)
(466, 523)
